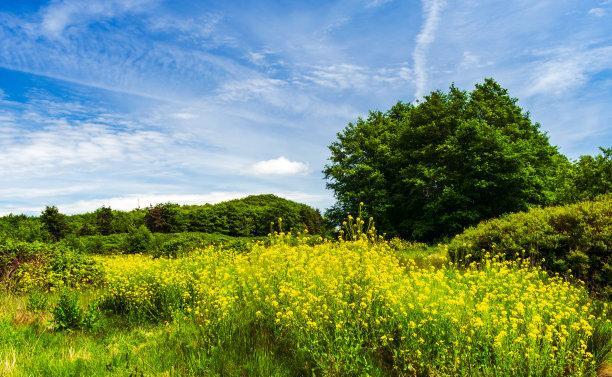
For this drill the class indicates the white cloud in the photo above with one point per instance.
(200, 27)
(472, 61)
(351, 76)
(184, 115)
(278, 166)
(431, 16)
(88, 146)
(61, 15)
(340, 76)
(134, 201)
(597, 12)
(241, 90)
(30, 192)
(377, 3)
(568, 69)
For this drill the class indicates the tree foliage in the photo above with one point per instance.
(54, 222)
(164, 218)
(430, 169)
(587, 178)
(104, 220)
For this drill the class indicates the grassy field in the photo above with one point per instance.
(289, 309)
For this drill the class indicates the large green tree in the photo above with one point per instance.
(427, 170)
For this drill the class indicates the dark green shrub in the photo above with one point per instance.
(67, 314)
(104, 220)
(179, 245)
(251, 216)
(111, 244)
(574, 239)
(164, 218)
(86, 230)
(238, 245)
(54, 222)
(139, 240)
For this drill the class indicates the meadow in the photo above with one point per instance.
(295, 304)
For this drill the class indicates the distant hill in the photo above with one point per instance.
(249, 216)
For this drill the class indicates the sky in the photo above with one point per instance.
(129, 103)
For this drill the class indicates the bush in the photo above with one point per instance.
(37, 301)
(139, 240)
(179, 244)
(68, 315)
(111, 244)
(251, 216)
(26, 266)
(104, 220)
(13, 254)
(71, 268)
(22, 228)
(55, 223)
(574, 239)
(164, 218)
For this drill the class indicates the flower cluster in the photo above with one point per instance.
(349, 307)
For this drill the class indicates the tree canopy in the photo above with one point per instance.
(587, 178)
(428, 170)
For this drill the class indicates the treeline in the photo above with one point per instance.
(250, 216)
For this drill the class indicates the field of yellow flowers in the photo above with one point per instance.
(354, 308)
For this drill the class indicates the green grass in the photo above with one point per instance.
(30, 347)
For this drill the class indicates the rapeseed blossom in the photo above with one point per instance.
(342, 304)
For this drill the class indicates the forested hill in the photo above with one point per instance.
(249, 216)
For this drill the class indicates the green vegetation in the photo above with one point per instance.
(249, 216)
(430, 169)
(26, 266)
(141, 240)
(54, 223)
(587, 178)
(570, 240)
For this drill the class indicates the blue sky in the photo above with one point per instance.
(133, 102)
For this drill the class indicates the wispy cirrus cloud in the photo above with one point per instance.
(355, 77)
(63, 14)
(427, 35)
(597, 12)
(562, 71)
